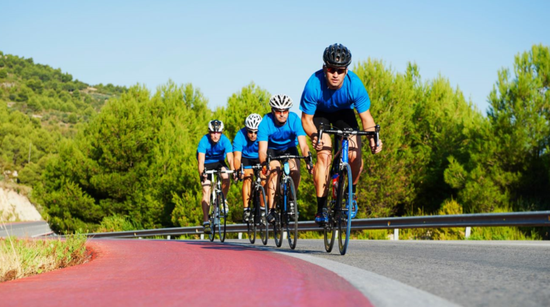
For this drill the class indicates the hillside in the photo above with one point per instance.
(39, 108)
(15, 207)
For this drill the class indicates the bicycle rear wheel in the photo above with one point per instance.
(263, 225)
(222, 215)
(345, 199)
(291, 214)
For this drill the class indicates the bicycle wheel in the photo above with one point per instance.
(278, 226)
(251, 224)
(212, 218)
(291, 214)
(263, 225)
(330, 226)
(222, 215)
(345, 198)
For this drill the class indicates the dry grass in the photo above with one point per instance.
(25, 257)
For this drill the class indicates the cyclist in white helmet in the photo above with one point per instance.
(212, 151)
(329, 98)
(245, 151)
(278, 134)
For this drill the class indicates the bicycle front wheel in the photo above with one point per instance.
(250, 223)
(277, 225)
(212, 213)
(291, 213)
(222, 216)
(263, 225)
(345, 199)
(330, 227)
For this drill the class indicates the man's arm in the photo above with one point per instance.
(311, 130)
(304, 148)
(262, 151)
(237, 158)
(368, 125)
(230, 160)
(201, 159)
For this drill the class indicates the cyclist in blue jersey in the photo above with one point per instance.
(278, 134)
(330, 97)
(245, 152)
(212, 151)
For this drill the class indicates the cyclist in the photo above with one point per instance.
(329, 97)
(278, 134)
(213, 148)
(245, 152)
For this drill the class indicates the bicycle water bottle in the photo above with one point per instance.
(335, 178)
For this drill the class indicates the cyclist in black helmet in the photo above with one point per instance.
(213, 148)
(329, 97)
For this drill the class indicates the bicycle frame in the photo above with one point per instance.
(341, 213)
(287, 216)
(258, 214)
(217, 218)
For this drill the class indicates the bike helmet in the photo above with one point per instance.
(215, 126)
(337, 55)
(280, 102)
(253, 121)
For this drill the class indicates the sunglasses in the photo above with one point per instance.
(279, 110)
(252, 132)
(334, 70)
(215, 132)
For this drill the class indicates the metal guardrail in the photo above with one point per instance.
(535, 218)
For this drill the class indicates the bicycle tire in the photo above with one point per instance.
(329, 228)
(262, 218)
(345, 196)
(291, 214)
(277, 225)
(251, 224)
(212, 219)
(222, 216)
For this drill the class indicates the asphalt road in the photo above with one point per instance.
(467, 273)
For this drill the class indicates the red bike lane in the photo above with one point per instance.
(183, 273)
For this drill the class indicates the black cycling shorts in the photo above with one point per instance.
(215, 165)
(291, 151)
(339, 120)
(249, 162)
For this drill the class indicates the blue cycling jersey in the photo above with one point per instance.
(280, 138)
(242, 144)
(214, 152)
(317, 95)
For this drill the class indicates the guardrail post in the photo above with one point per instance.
(168, 237)
(240, 235)
(202, 236)
(396, 234)
(468, 232)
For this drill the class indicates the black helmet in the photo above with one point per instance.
(337, 55)
(215, 126)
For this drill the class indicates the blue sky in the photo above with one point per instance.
(222, 46)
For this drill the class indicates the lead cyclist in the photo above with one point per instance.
(330, 96)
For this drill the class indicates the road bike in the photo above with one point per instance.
(217, 212)
(341, 204)
(285, 205)
(258, 220)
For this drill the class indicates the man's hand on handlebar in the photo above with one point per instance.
(317, 144)
(373, 148)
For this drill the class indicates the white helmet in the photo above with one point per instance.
(253, 121)
(280, 102)
(215, 126)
